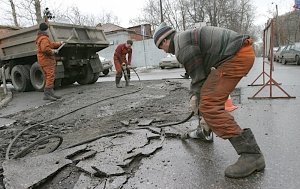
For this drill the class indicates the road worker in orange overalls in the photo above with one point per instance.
(46, 51)
(216, 59)
(120, 58)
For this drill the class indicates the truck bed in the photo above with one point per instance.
(21, 43)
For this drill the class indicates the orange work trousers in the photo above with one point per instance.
(216, 89)
(49, 74)
(119, 69)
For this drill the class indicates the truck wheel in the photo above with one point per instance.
(30, 87)
(105, 72)
(20, 77)
(95, 78)
(37, 77)
(57, 83)
(67, 81)
(86, 76)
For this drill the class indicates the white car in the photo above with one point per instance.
(170, 61)
(107, 65)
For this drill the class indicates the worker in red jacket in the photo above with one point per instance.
(46, 51)
(120, 58)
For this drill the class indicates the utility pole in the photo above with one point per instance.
(161, 11)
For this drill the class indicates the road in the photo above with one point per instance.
(150, 158)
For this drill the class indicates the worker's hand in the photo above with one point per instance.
(55, 51)
(194, 105)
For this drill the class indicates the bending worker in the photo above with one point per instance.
(120, 60)
(46, 51)
(216, 59)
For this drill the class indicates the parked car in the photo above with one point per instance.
(291, 53)
(276, 54)
(107, 65)
(169, 62)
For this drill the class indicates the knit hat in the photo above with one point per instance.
(129, 42)
(43, 26)
(161, 32)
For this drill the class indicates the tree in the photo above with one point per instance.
(30, 13)
(14, 13)
(74, 16)
(237, 15)
(38, 12)
(150, 14)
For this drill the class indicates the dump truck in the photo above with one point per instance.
(77, 60)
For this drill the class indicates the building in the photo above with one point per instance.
(145, 53)
(117, 34)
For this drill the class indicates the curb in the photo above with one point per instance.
(6, 100)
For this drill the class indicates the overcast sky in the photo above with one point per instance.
(126, 10)
(264, 7)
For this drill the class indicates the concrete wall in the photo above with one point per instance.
(144, 53)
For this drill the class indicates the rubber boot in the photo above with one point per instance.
(128, 83)
(47, 95)
(53, 95)
(118, 79)
(251, 159)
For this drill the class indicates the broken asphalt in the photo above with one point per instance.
(152, 158)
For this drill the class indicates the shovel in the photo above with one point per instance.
(65, 42)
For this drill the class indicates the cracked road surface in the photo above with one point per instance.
(147, 158)
(109, 161)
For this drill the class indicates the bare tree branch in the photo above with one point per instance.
(14, 13)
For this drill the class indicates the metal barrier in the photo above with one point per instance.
(268, 44)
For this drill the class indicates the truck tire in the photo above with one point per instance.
(105, 72)
(30, 87)
(37, 77)
(67, 81)
(95, 78)
(86, 76)
(57, 83)
(20, 77)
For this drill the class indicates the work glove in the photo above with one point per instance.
(55, 51)
(194, 105)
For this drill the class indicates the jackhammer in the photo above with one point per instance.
(202, 132)
(124, 70)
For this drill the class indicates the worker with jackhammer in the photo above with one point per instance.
(46, 51)
(121, 63)
(216, 59)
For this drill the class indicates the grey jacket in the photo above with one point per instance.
(202, 48)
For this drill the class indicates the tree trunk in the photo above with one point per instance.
(13, 11)
(38, 12)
